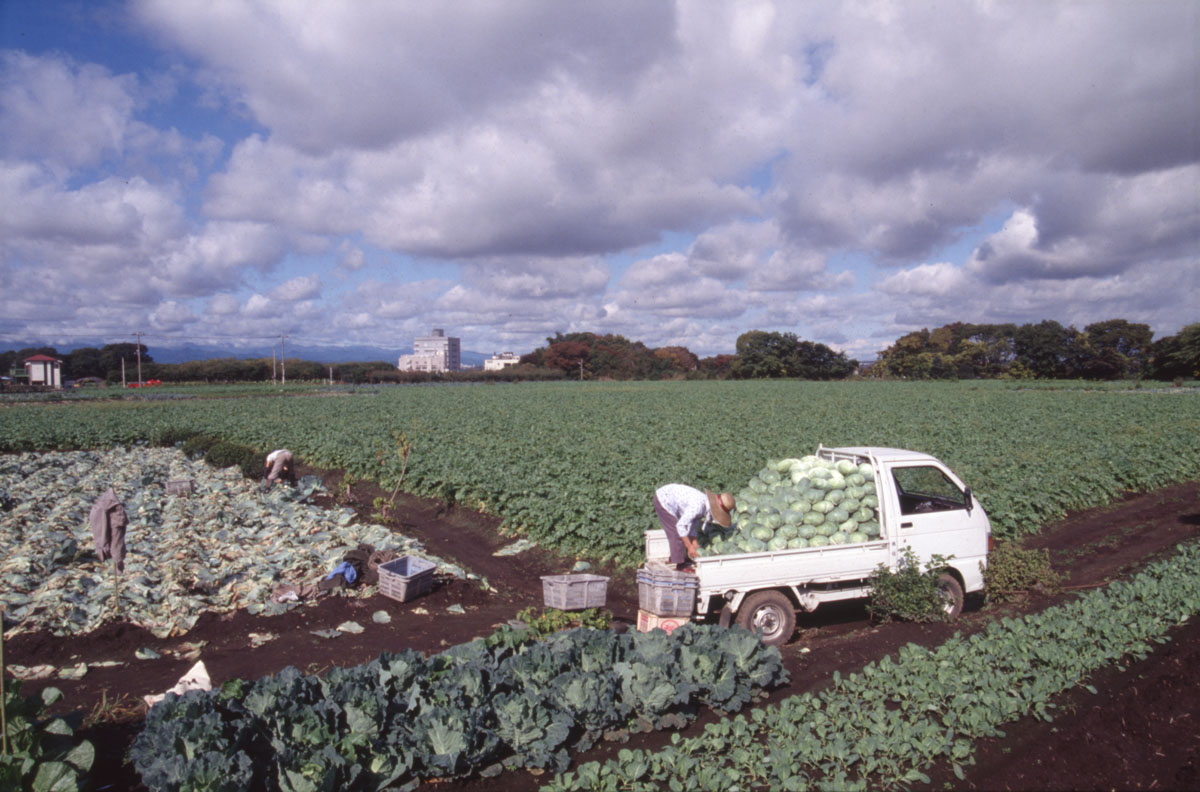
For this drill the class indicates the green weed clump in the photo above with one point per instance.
(908, 594)
(1012, 571)
(197, 446)
(169, 436)
(223, 454)
(544, 621)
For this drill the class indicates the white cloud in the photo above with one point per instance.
(260, 307)
(350, 258)
(222, 305)
(304, 287)
(71, 115)
(940, 280)
(171, 316)
(491, 166)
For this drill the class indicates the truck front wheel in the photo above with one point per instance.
(951, 593)
(770, 613)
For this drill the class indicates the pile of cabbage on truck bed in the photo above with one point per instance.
(795, 503)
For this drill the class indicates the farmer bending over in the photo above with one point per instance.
(682, 510)
(279, 465)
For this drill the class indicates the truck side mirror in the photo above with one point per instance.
(967, 498)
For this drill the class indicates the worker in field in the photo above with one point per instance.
(682, 511)
(279, 466)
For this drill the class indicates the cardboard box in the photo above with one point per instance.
(648, 621)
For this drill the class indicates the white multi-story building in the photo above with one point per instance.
(44, 370)
(499, 362)
(437, 352)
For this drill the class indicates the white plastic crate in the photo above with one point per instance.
(574, 592)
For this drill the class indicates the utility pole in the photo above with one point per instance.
(139, 355)
(283, 358)
(272, 364)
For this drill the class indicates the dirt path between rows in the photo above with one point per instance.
(1138, 732)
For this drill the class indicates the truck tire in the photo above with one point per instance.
(770, 613)
(951, 593)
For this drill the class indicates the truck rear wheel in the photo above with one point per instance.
(951, 593)
(770, 613)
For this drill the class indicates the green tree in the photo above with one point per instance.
(1177, 356)
(111, 356)
(817, 361)
(1113, 349)
(762, 354)
(903, 358)
(83, 362)
(1042, 348)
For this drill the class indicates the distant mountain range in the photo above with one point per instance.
(317, 354)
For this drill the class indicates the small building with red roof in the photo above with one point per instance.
(44, 370)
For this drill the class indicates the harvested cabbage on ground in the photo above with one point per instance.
(221, 548)
(796, 503)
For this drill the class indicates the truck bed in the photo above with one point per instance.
(779, 568)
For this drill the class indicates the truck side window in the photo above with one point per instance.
(926, 489)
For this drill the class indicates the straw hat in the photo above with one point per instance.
(721, 506)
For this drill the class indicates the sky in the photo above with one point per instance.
(679, 173)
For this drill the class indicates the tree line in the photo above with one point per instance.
(1113, 349)
(103, 362)
(1110, 350)
(760, 354)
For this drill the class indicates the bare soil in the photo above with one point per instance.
(1140, 730)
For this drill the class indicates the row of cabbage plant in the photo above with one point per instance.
(884, 726)
(481, 707)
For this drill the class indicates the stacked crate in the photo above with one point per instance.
(666, 597)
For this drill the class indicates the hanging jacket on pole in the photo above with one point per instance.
(108, 520)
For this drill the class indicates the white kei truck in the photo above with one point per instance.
(923, 505)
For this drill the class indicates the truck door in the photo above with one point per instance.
(933, 515)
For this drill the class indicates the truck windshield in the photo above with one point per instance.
(926, 489)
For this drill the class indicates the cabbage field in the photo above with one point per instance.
(221, 548)
(574, 465)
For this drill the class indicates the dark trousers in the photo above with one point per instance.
(669, 521)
